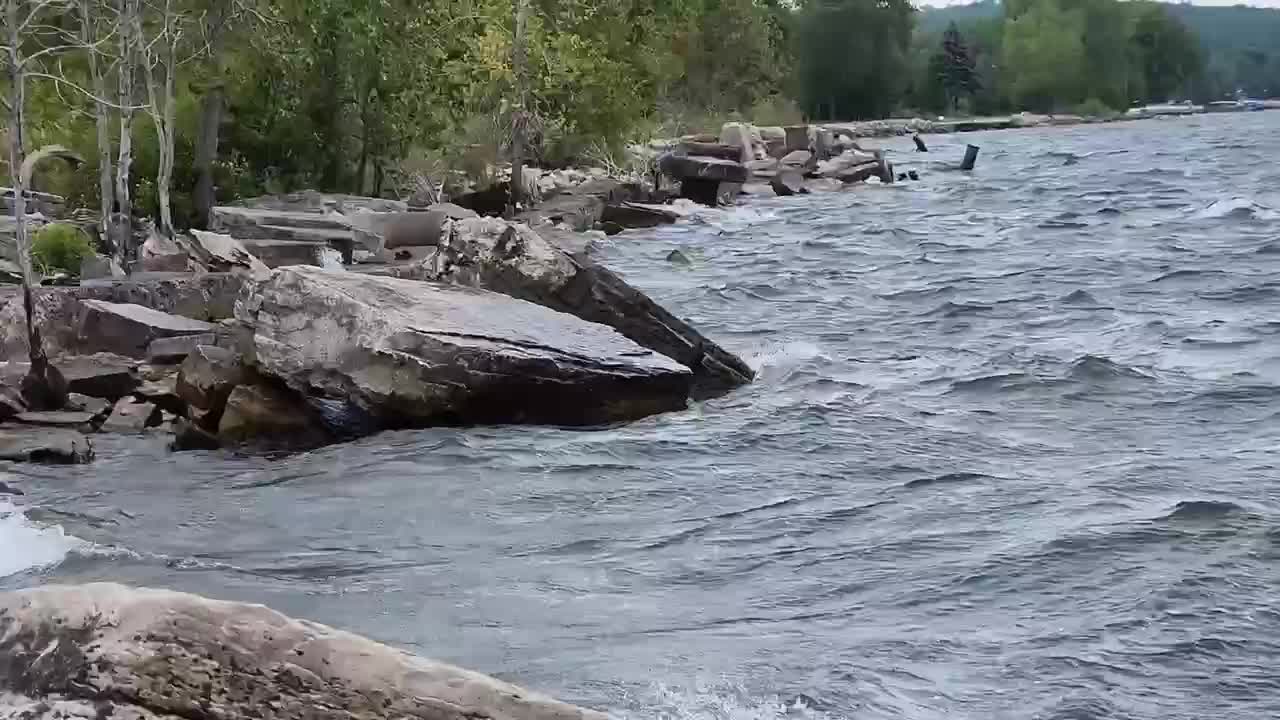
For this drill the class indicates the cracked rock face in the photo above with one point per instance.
(105, 650)
(378, 352)
(519, 261)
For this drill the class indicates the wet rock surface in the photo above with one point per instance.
(386, 352)
(515, 260)
(139, 653)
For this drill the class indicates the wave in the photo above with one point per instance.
(785, 356)
(946, 479)
(1237, 208)
(1081, 297)
(1201, 510)
(27, 545)
(951, 310)
(722, 702)
(1094, 368)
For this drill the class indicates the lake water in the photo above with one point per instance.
(1012, 454)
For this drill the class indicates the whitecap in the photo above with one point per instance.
(1238, 207)
(25, 545)
(783, 356)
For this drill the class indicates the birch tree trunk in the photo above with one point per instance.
(102, 121)
(519, 118)
(122, 224)
(43, 388)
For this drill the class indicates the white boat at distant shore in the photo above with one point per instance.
(1181, 108)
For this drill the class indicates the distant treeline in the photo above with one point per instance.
(1173, 52)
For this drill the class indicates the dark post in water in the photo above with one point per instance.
(970, 157)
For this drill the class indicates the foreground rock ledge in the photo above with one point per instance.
(106, 650)
(378, 353)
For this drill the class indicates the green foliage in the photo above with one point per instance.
(1094, 108)
(60, 247)
(852, 57)
(1044, 47)
(955, 68)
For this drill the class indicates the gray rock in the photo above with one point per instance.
(702, 168)
(788, 182)
(100, 266)
(739, 135)
(798, 160)
(798, 137)
(128, 329)
(517, 261)
(130, 416)
(11, 402)
(163, 393)
(415, 229)
(102, 375)
(60, 311)
(763, 168)
(678, 258)
(53, 446)
(222, 253)
(70, 419)
(139, 653)
(385, 352)
(263, 415)
(712, 149)
(85, 403)
(269, 233)
(169, 350)
(206, 379)
(635, 215)
(187, 435)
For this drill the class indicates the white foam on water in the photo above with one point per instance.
(26, 546)
(784, 356)
(1237, 206)
(724, 703)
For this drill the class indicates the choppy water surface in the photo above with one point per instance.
(1011, 455)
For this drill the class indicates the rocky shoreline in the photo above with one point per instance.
(308, 319)
(109, 651)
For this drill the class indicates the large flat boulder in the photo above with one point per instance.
(127, 329)
(379, 352)
(52, 446)
(515, 260)
(109, 651)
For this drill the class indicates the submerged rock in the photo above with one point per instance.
(263, 415)
(383, 352)
(516, 260)
(106, 650)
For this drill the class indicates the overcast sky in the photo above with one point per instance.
(1255, 3)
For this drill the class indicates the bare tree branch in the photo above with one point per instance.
(83, 91)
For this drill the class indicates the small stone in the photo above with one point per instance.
(677, 257)
(129, 416)
(86, 403)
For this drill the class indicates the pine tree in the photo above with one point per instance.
(956, 64)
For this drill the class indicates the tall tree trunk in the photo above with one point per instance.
(102, 122)
(211, 104)
(519, 118)
(43, 387)
(123, 221)
(207, 153)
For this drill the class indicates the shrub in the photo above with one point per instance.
(60, 247)
(1094, 108)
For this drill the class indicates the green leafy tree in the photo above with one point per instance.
(852, 56)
